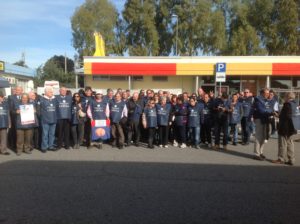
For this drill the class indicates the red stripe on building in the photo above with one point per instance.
(134, 69)
(283, 69)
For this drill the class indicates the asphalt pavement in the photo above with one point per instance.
(140, 185)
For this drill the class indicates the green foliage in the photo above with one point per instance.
(205, 27)
(91, 16)
(54, 69)
(21, 63)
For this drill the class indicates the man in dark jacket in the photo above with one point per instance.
(135, 110)
(286, 130)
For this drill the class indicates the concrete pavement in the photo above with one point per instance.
(140, 185)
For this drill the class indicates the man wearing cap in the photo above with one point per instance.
(98, 109)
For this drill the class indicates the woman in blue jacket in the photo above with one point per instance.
(78, 119)
(181, 113)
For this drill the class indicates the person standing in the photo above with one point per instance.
(163, 110)
(286, 129)
(24, 128)
(246, 121)
(221, 108)
(235, 113)
(194, 117)
(262, 110)
(151, 121)
(64, 103)
(98, 110)
(47, 110)
(4, 124)
(86, 99)
(135, 110)
(181, 116)
(206, 120)
(14, 101)
(118, 111)
(77, 121)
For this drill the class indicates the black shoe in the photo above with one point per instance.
(151, 146)
(89, 147)
(289, 163)
(53, 149)
(262, 156)
(99, 146)
(258, 158)
(67, 148)
(44, 151)
(137, 144)
(234, 143)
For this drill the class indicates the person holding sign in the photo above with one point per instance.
(98, 112)
(25, 121)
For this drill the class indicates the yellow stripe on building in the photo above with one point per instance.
(195, 69)
(88, 68)
(249, 69)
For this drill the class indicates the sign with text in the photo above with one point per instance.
(221, 72)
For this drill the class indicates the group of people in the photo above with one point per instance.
(51, 122)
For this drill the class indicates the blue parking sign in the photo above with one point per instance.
(221, 67)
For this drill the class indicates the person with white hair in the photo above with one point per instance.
(286, 130)
(47, 109)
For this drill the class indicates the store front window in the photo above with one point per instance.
(281, 82)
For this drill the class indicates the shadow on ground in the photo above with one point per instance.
(123, 192)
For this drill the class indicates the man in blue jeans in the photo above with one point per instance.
(47, 109)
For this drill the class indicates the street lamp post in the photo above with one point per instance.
(176, 45)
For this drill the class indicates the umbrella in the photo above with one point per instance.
(4, 83)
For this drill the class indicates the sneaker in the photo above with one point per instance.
(277, 161)
(160, 146)
(196, 147)
(175, 144)
(5, 153)
(166, 146)
(183, 146)
(266, 140)
(258, 158)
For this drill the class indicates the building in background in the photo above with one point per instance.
(18, 75)
(189, 73)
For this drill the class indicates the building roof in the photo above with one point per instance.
(19, 70)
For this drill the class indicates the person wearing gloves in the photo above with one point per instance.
(194, 117)
(150, 121)
(4, 124)
(98, 109)
(118, 112)
(163, 112)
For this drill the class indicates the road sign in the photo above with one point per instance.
(221, 72)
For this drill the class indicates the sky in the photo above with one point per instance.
(39, 28)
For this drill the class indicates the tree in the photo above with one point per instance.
(54, 69)
(120, 46)
(141, 32)
(91, 16)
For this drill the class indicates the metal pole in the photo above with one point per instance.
(129, 82)
(268, 82)
(197, 84)
(176, 36)
(76, 81)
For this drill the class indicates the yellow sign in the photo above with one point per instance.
(99, 45)
(1, 66)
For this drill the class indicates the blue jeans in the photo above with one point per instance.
(48, 136)
(195, 135)
(234, 129)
